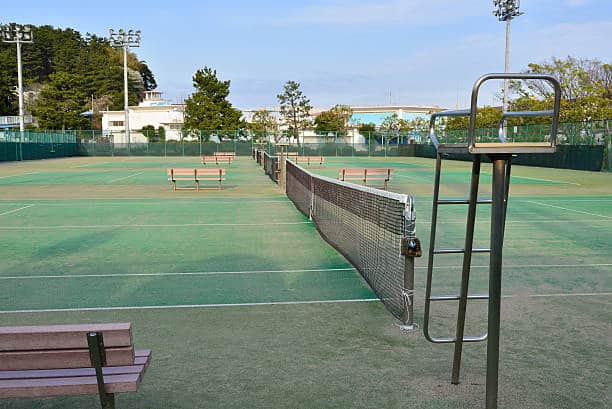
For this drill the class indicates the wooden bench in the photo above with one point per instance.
(230, 155)
(310, 160)
(216, 160)
(366, 175)
(289, 155)
(58, 360)
(195, 175)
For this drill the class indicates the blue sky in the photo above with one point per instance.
(354, 52)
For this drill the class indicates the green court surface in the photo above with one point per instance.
(244, 305)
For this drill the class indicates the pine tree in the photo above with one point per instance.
(208, 108)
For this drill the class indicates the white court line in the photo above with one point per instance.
(549, 199)
(558, 295)
(88, 165)
(246, 272)
(16, 210)
(165, 307)
(528, 266)
(138, 226)
(271, 303)
(130, 200)
(546, 180)
(565, 208)
(522, 221)
(126, 177)
(19, 174)
(195, 273)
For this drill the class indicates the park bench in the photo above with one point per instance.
(310, 160)
(230, 155)
(59, 360)
(289, 155)
(366, 175)
(195, 175)
(216, 160)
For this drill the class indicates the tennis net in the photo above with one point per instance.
(270, 164)
(365, 225)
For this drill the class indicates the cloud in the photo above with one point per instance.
(345, 12)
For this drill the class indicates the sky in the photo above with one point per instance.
(355, 52)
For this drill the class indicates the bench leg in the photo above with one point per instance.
(98, 360)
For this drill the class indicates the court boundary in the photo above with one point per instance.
(269, 303)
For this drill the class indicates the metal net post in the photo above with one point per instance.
(411, 248)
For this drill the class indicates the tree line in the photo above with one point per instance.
(65, 73)
(586, 94)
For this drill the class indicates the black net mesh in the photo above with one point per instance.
(271, 168)
(366, 225)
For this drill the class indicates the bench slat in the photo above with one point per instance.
(141, 362)
(62, 336)
(68, 358)
(85, 385)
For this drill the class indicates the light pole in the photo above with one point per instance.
(506, 10)
(18, 34)
(125, 39)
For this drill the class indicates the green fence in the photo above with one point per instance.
(581, 145)
(29, 145)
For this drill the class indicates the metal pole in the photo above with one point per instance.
(507, 64)
(495, 276)
(20, 85)
(465, 274)
(408, 318)
(125, 96)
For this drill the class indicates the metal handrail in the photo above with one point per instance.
(472, 111)
(515, 76)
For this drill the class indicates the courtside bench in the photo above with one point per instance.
(366, 175)
(230, 155)
(216, 160)
(289, 155)
(310, 160)
(195, 175)
(60, 360)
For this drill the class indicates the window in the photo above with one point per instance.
(116, 123)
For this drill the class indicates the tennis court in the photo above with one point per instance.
(244, 305)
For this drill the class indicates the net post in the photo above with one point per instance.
(411, 248)
(283, 168)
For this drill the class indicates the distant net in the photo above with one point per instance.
(366, 225)
(270, 164)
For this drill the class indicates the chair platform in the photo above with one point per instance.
(498, 148)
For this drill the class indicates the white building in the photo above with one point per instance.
(158, 112)
(361, 115)
(153, 111)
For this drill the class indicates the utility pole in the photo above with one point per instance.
(125, 39)
(506, 10)
(18, 34)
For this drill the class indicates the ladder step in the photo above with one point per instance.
(458, 250)
(464, 201)
(452, 340)
(457, 297)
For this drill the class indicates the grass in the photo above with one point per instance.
(108, 234)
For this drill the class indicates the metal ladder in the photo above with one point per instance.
(467, 250)
(500, 153)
